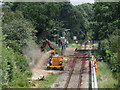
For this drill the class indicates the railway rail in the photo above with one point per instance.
(79, 58)
(79, 71)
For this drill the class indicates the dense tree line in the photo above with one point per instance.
(25, 24)
(54, 18)
(106, 29)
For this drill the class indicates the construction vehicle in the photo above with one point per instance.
(54, 61)
(62, 41)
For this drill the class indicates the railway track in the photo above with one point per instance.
(77, 70)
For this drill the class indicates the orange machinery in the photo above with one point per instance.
(54, 61)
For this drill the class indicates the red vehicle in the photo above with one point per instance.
(62, 42)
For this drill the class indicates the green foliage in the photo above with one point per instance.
(23, 22)
(0, 57)
(106, 29)
(9, 16)
(105, 77)
(76, 18)
(106, 19)
(46, 17)
(111, 47)
(13, 68)
(19, 81)
(18, 33)
(42, 15)
(110, 52)
(48, 82)
(21, 61)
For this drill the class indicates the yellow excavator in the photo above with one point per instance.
(54, 61)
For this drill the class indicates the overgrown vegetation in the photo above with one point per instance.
(106, 29)
(14, 66)
(27, 23)
(105, 77)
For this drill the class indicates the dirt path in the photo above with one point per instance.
(69, 51)
(40, 69)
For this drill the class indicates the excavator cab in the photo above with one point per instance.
(54, 61)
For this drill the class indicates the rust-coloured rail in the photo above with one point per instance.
(83, 58)
(80, 74)
(70, 73)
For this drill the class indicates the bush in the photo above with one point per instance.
(105, 77)
(111, 47)
(19, 33)
(110, 52)
(13, 68)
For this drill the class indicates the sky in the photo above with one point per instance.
(77, 2)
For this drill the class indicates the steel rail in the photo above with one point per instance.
(70, 74)
(81, 70)
(80, 74)
(81, 58)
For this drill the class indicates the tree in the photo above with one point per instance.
(106, 15)
(19, 33)
(106, 28)
(42, 15)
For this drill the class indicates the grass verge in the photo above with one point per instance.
(48, 81)
(105, 77)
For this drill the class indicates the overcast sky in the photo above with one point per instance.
(77, 2)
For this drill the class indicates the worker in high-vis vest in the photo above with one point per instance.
(95, 63)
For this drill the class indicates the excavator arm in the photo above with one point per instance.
(54, 61)
(44, 45)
